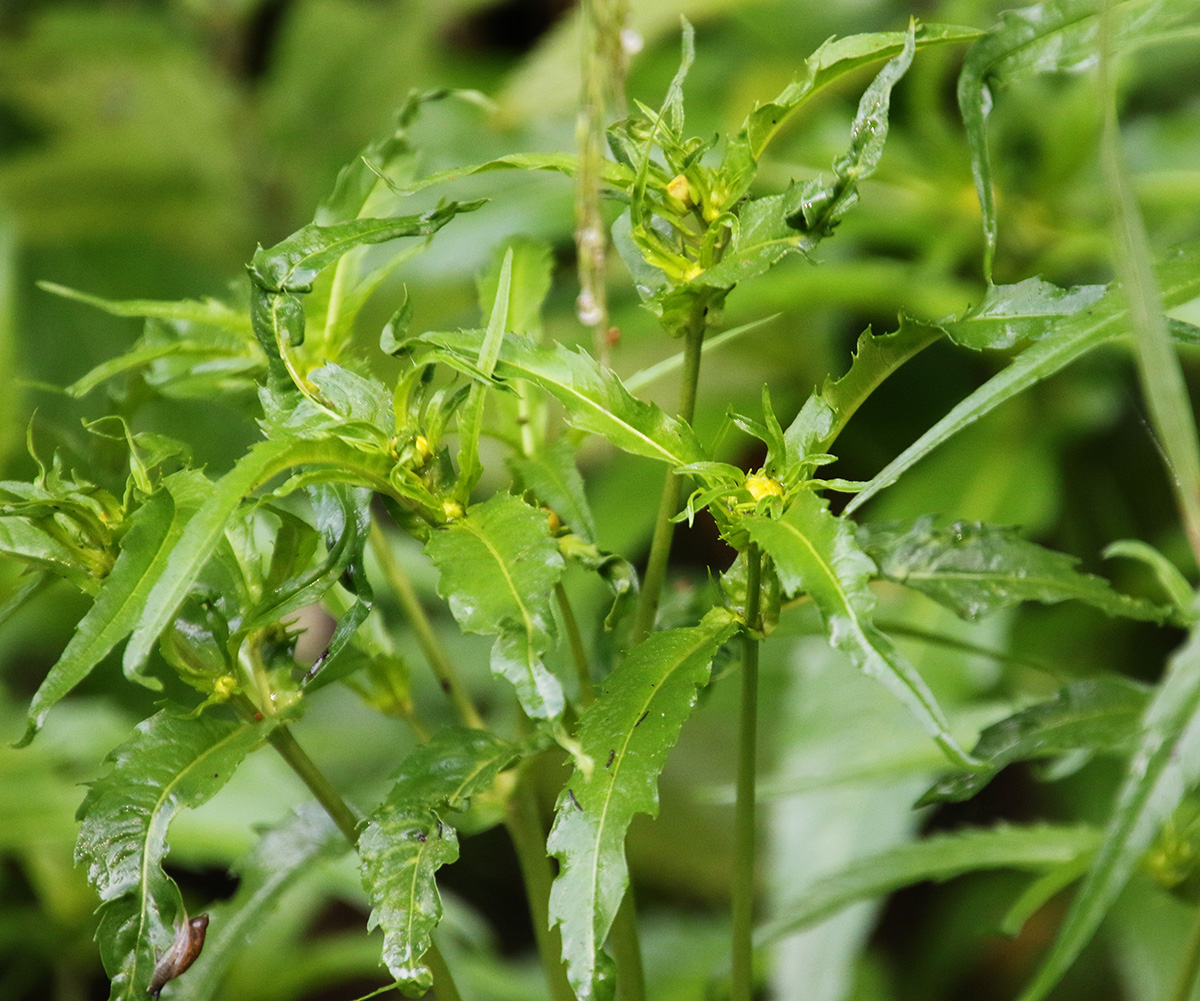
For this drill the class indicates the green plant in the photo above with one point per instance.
(212, 572)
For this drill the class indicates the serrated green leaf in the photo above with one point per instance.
(593, 397)
(25, 540)
(1026, 311)
(1178, 278)
(1164, 767)
(283, 854)
(977, 570)
(498, 568)
(1059, 36)
(154, 530)
(815, 552)
(173, 762)
(551, 474)
(938, 857)
(405, 842)
(626, 733)
(1097, 715)
(875, 357)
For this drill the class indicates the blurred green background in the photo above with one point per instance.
(147, 147)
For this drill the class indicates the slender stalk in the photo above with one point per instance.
(431, 646)
(627, 950)
(1185, 984)
(528, 835)
(743, 837)
(587, 691)
(664, 528)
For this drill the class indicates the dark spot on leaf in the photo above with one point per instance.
(571, 794)
(611, 754)
(419, 835)
(446, 685)
(640, 718)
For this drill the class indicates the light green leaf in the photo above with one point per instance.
(171, 763)
(531, 270)
(498, 568)
(1165, 765)
(1026, 311)
(938, 857)
(1178, 278)
(551, 474)
(205, 312)
(1169, 578)
(405, 842)
(1097, 715)
(24, 539)
(613, 174)
(626, 733)
(815, 552)
(246, 355)
(976, 569)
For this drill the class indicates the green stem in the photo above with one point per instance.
(587, 691)
(1185, 984)
(627, 950)
(743, 836)
(664, 528)
(528, 835)
(431, 646)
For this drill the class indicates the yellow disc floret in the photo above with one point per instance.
(759, 485)
(679, 189)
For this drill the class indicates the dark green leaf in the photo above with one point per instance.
(550, 473)
(626, 733)
(25, 540)
(977, 569)
(1097, 715)
(531, 272)
(208, 313)
(815, 552)
(173, 762)
(498, 569)
(938, 857)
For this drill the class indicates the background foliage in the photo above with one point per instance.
(146, 147)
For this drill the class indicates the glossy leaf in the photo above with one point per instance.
(1178, 278)
(1095, 716)
(1026, 311)
(23, 539)
(281, 857)
(171, 763)
(405, 842)
(939, 857)
(498, 568)
(1165, 765)
(977, 570)
(815, 553)
(551, 474)
(626, 733)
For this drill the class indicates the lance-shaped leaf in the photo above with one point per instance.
(627, 733)
(942, 856)
(593, 397)
(815, 552)
(498, 568)
(171, 763)
(551, 474)
(976, 569)
(1058, 36)
(25, 540)
(1095, 716)
(1179, 280)
(147, 544)
(1164, 767)
(405, 842)
(282, 856)
(876, 357)
(205, 312)
(1026, 311)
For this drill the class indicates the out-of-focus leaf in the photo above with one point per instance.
(8, 333)
(815, 552)
(551, 474)
(938, 857)
(173, 762)
(154, 530)
(531, 273)
(1172, 581)
(498, 568)
(626, 733)
(1178, 278)
(1026, 311)
(976, 569)
(282, 856)
(405, 842)
(594, 398)
(615, 174)
(1098, 715)
(204, 312)
(1165, 765)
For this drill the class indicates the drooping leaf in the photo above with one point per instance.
(815, 552)
(498, 568)
(25, 540)
(977, 570)
(154, 530)
(171, 763)
(1173, 583)
(940, 856)
(282, 855)
(551, 474)
(1026, 311)
(1095, 716)
(626, 733)
(405, 842)
(1164, 767)
(1178, 278)
(206, 312)
(614, 174)
(593, 397)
